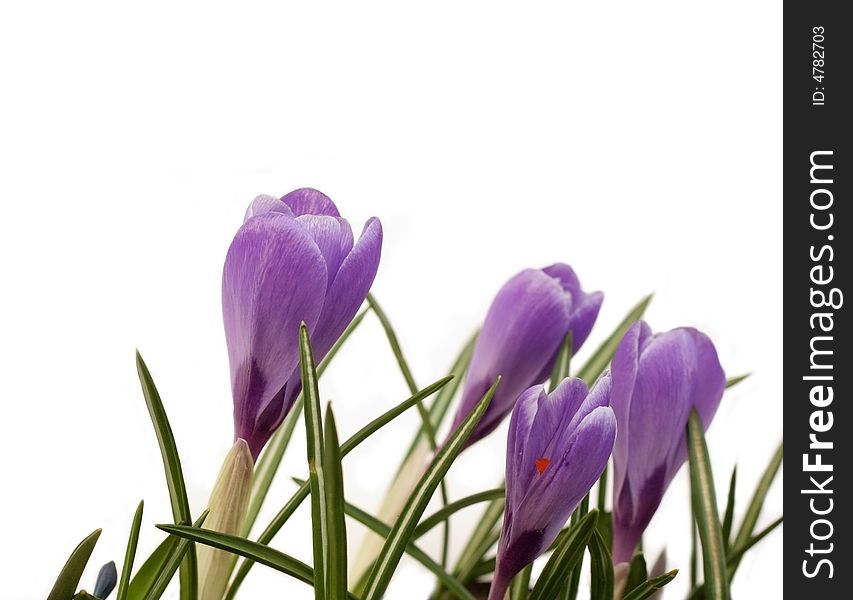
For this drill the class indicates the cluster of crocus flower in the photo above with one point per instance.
(294, 260)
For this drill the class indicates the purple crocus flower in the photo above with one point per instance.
(521, 337)
(558, 446)
(657, 381)
(293, 260)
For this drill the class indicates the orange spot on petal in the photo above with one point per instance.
(542, 464)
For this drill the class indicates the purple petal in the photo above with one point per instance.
(349, 288)
(577, 460)
(308, 201)
(274, 279)
(584, 307)
(333, 236)
(263, 204)
(657, 380)
(624, 369)
(522, 331)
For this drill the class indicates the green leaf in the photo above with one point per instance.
(271, 457)
(739, 551)
(705, 511)
(69, 577)
(445, 512)
(401, 532)
(348, 446)
(412, 550)
(426, 422)
(563, 363)
(637, 572)
(733, 559)
(174, 474)
(316, 467)
(568, 552)
(130, 553)
(394, 343)
(571, 591)
(754, 509)
(647, 588)
(601, 569)
(171, 564)
(438, 409)
(481, 540)
(484, 567)
(147, 573)
(251, 550)
(601, 357)
(520, 588)
(736, 380)
(694, 548)
(730, 510)
(336, 563)
(602, 488)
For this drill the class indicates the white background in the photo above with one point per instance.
(640, 142)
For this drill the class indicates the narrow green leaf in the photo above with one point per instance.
(637, 572)
(736, 380)
(601, 569)
(412, 550)
(733, 559)
(130, 553)
(739, 551)
(336, 562)
(754, 509)
(316, 467)
(647, 588)
(481, 540)
(173, 560)
(153, 565)
(602, 488)
(568, 552)
(605, 528)
(438, 409)
(174, 474)
(401, 532)
(571, 592)
(271, 457)
(426, 422)
(348, 446)
(445, 512)
(254, 551)
(705, 511)
(730, 510)
(601, 357)
(563, 363)
(484, 567)
(69, 577)
(394, 343)
(520, 588)
(694, 548)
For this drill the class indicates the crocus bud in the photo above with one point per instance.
(227, 508)
(293, 260)
(521, 337)
(557, 448)
(657, 381)
(107, 579)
